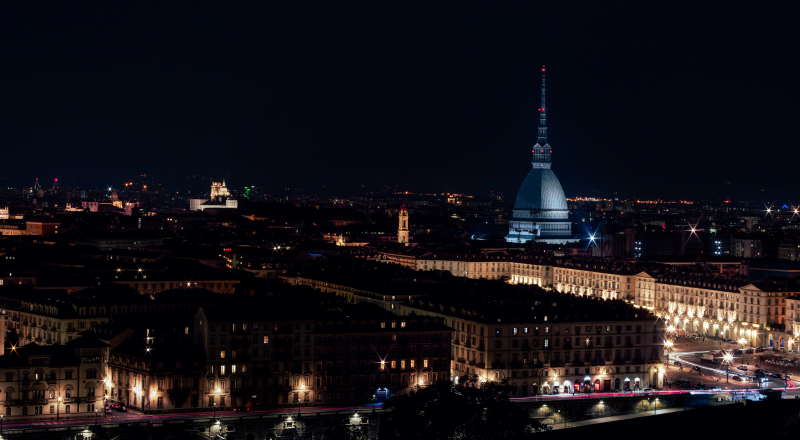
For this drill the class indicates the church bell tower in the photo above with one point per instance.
(402, 230)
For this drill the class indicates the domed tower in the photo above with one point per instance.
(540, 210)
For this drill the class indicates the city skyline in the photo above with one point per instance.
(288, 98)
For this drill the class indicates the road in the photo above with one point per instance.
(117, 418)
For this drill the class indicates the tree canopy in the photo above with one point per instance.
(448, 411)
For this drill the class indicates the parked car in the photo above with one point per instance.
(777, 375)
(788, 377)
(240, 409)
(115, 406)
(741, 367)
(749, 351)
(695, 368)
(759, 350)
(737, 378)
(678, 364)
(715, 389)
(701, 386)
(647, 391)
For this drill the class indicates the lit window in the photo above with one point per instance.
(425, 363)
(266, 339)
(412, 363)
(222, 354)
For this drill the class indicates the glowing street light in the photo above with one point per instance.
(727, 359)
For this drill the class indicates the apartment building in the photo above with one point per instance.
(547, 343)
(364, 352)
(56, 379)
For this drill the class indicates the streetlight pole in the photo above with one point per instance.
(58, 409)
(727, 358)
(95, 418)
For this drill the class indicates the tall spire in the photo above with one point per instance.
(542, 117)
(542, 151)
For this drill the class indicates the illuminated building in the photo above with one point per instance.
(544, 353)
(540, 209)
(727, 307)
(402, 230)
(364, 351)
(220, 198)
(59, 380)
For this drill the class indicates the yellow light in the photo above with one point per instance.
(217, 390)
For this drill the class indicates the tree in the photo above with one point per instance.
(339, 429)
(448, 411)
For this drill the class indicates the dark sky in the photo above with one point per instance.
(646, 99)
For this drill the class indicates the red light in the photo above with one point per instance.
(542, 69)
(551, 151)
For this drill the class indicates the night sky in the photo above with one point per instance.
(650, 99)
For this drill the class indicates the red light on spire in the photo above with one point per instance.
(542, 68)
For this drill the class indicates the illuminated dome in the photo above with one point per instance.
(540, 210)
(541, 191)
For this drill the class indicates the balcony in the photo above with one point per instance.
(596, 363)
(472, 362)
(514, 365)
(480, 365)
(619, 361)
(556, 364)
(498, 365)
(461, 360)
(577, 363)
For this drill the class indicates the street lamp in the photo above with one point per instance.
(214, 408)
(95, 417)
(727, 359)
(743, 347)
(655, 406)
(58, 409)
